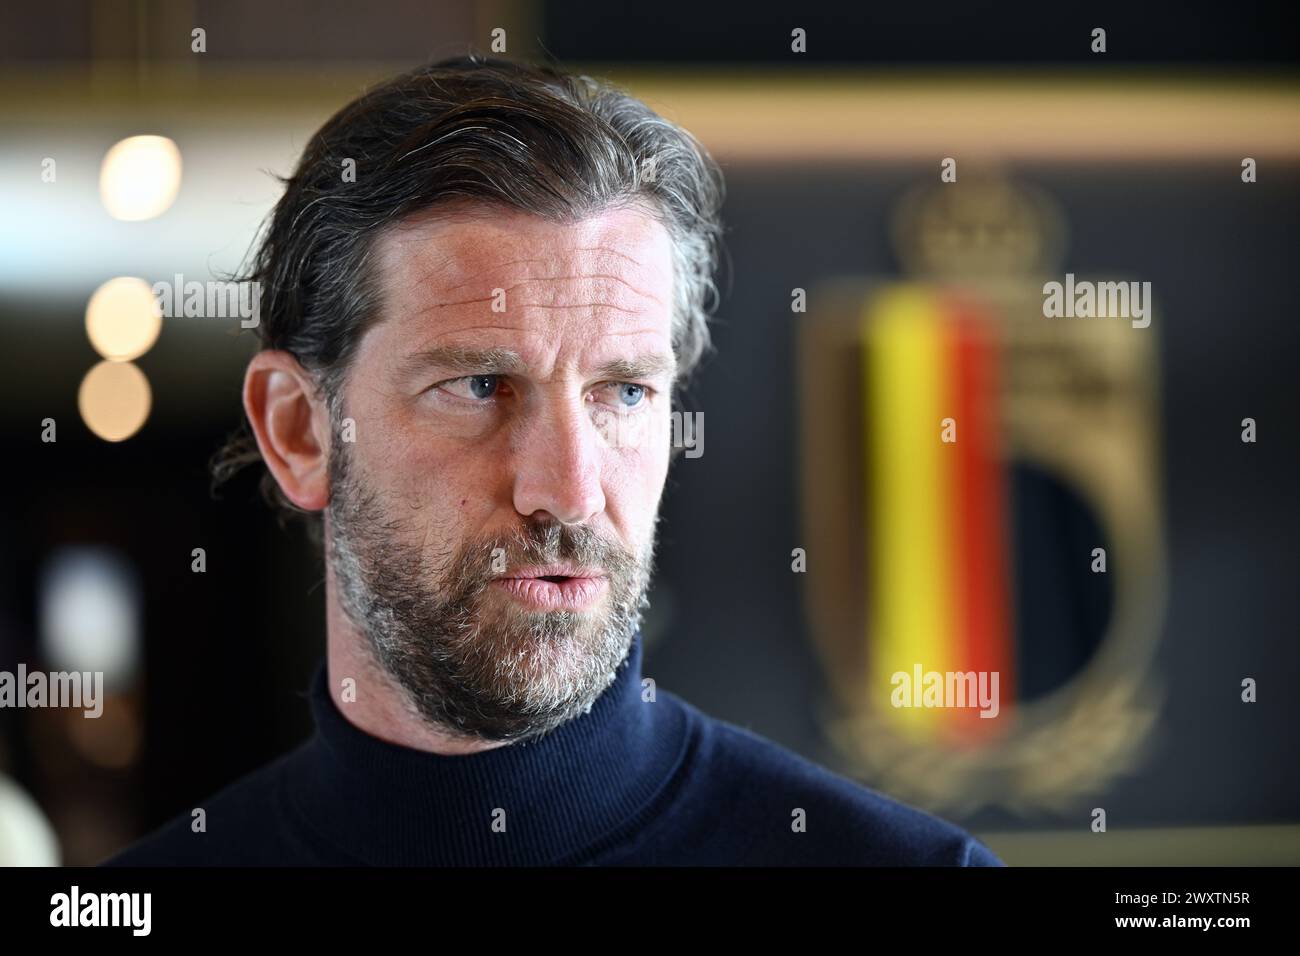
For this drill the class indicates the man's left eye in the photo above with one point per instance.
(629, 395)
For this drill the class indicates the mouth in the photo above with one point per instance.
(554, 588)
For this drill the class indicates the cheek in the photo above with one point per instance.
(434, 488)
(634, 482)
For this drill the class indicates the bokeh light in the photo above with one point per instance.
(140, 177)
(123, 319)
(114, 400)
(90, 613)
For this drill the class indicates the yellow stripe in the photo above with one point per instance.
(910, 499)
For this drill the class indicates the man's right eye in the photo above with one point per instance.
(473, 387)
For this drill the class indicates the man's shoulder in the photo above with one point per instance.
(237, 825)
(804, 813)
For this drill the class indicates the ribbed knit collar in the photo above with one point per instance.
(576, 789)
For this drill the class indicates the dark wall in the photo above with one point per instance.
(227, 651)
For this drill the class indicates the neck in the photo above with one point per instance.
(564, 794)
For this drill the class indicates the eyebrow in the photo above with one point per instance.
(461, 358)
(646, 366)
(471, 360)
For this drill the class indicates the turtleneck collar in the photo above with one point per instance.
(563, 795)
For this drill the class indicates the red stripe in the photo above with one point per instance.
(982, 594)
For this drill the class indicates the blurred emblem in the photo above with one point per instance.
(982, 506)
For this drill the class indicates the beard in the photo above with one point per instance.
(473, 662)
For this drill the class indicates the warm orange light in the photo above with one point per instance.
(123, 319)
(114, 400)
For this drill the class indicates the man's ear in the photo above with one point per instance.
(291, 425)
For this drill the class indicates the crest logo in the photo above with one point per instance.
(982, 503)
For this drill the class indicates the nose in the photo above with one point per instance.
(558, 468)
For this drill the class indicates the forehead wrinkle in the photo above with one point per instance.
(487, 270)
(613, 306)
(448, 264)
(457, 257)
(536, 305)
(585, 275)
(575, 305)
(454, 334)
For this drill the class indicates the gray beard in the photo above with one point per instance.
(471, 665)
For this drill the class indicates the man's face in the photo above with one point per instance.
(491, 528)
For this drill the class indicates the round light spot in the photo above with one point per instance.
(26, 837)
(140, 177)
(114, 400)
(90, 614)
(123, 319)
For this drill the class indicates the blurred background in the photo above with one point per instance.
(816, 545)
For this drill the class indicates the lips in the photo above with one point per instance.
(554, 587)
(559, 571)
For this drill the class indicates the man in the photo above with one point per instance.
(470, 353)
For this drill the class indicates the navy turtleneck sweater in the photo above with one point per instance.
(632, 782)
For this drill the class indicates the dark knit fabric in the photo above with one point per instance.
(632, 782)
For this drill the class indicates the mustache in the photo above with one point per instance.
(542, 543)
